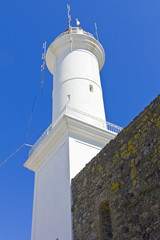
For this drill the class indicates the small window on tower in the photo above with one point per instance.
(90, 88)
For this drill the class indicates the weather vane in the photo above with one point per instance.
(69, 17)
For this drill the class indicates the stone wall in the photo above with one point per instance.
(126, 176)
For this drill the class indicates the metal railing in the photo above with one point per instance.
(88, 118)
(75, 30)
(82, 116)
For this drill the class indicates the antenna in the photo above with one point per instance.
(69, 17)
(43, 56)
(69, 26)
(38, 95)
(44, 62)
(96, 31)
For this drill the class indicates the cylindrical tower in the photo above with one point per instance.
(75, 58)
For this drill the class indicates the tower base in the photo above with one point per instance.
(64, 152)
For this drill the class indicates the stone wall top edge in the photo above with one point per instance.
(120, 138)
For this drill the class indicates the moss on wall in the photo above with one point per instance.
(127, 174)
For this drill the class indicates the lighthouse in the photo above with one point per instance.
(77, 133)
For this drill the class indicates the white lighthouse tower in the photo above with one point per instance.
(77, 133)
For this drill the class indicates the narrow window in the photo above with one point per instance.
(90, 88)
(105, 221)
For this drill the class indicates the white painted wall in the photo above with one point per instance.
(76, 67)
(52, 198)
(74, 72)
(81, 152)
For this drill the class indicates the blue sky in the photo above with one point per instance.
(130, 34)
